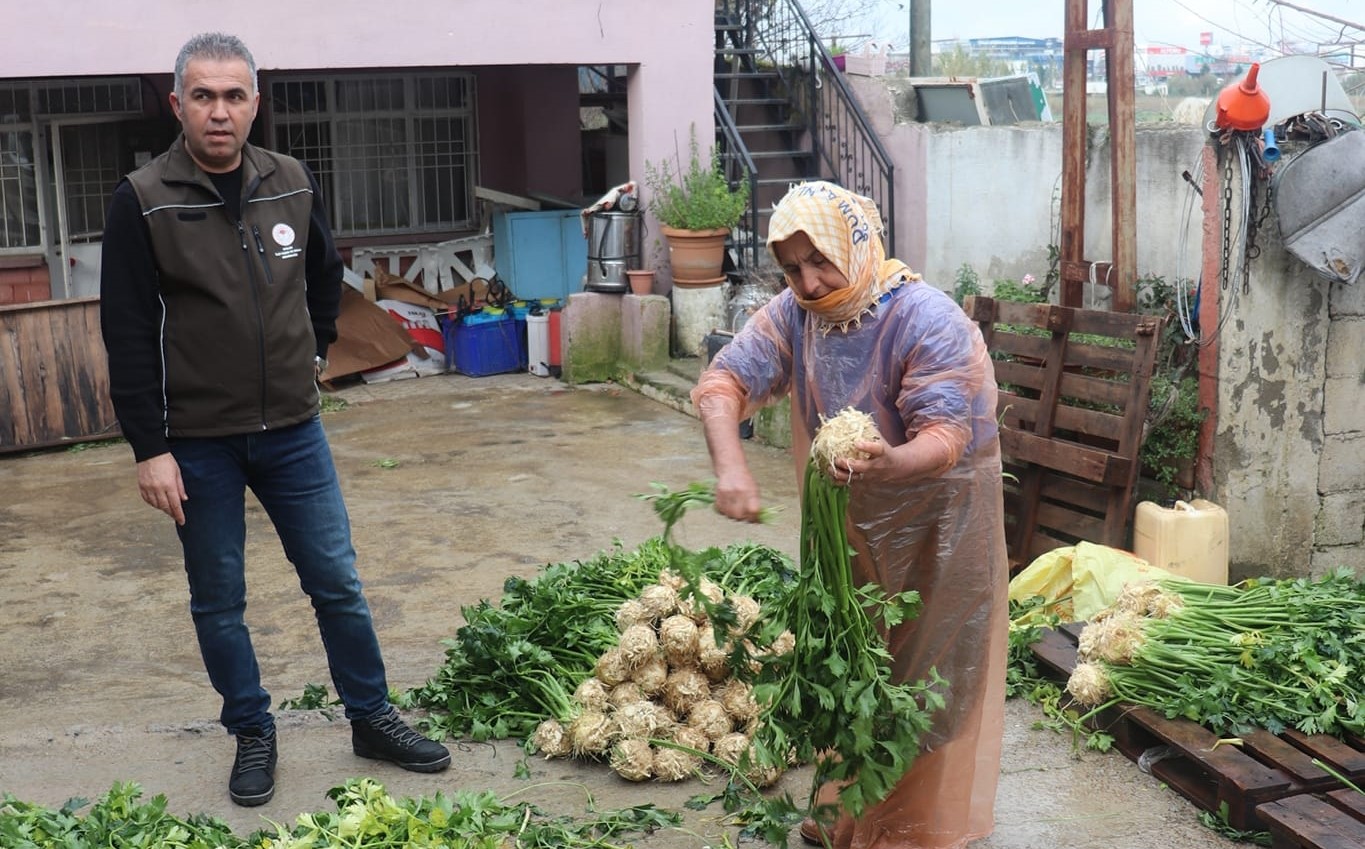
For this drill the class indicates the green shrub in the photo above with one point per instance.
(1174, 415)
(966, 284)
(1023, 292)
(698, 198)
(1173, 422)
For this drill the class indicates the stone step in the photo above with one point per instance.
(666, 386)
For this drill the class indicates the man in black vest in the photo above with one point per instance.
(220, 288)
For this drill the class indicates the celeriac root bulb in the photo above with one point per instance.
(836, 437)
(551, 740)
(633, 759)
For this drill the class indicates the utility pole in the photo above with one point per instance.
(921, 56)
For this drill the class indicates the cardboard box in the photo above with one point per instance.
(390, 287)
(367, 338)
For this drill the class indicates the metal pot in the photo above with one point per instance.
(613, 249)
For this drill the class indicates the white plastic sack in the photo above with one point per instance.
(420, 323)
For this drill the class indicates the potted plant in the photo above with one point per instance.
(696, 209)
(838, 53)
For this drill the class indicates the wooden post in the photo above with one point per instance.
(1118, 18)
(921, 57)
(1116, 40)
(1074, 143)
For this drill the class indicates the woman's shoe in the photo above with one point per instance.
(810, 832)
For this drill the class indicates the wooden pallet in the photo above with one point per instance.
(1074, 386)
(1333, 820)
(1188, 757)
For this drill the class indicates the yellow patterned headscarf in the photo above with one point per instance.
(847, 229)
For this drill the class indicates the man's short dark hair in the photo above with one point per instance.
(212, 45)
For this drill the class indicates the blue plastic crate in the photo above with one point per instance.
(483, 348)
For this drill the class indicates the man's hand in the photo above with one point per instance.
(159, 483)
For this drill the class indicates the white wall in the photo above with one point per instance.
(991, 197)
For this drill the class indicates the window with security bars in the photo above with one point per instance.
(90, 170)
(90, 166)
(20, 225)
(393, 153)
(94, 97)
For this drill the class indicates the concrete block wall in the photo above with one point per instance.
(1339, 528)
(605, 334)
(644, 332)
(1268, 442)
(990, 197)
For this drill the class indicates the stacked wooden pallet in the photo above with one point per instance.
(1074, 386)
(1267, 781)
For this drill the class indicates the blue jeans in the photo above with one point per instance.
(292, 475)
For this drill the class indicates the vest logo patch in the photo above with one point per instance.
(283, 235)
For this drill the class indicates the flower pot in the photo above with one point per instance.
(696, 257)
(641, 281)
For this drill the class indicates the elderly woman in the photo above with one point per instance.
(925, 513)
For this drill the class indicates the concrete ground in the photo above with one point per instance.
(453, 484)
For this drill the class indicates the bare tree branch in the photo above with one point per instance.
(831, 18)
(1318, 14)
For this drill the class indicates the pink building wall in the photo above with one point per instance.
(669, 45)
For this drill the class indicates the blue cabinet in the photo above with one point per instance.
(540, 254)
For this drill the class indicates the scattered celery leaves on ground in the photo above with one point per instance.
(367, 817)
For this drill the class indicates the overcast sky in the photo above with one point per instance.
(1155, 22)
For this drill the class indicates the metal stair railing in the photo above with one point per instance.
(839, 133)
(739, 167)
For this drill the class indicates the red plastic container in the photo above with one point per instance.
(555, 319)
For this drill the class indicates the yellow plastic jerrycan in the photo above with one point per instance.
(1189, 539)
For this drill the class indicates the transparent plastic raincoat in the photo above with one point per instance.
(919, 366)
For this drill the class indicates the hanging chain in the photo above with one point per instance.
(1260, 181)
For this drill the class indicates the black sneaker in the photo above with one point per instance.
(385, 737)
(253, 770)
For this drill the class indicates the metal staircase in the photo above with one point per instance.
(785, 113)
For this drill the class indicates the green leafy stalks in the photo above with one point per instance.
(117, 819)
(515, 663)
(1270, 653)
(670, 506)
(831, 699)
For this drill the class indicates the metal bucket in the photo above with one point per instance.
(613, 249)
